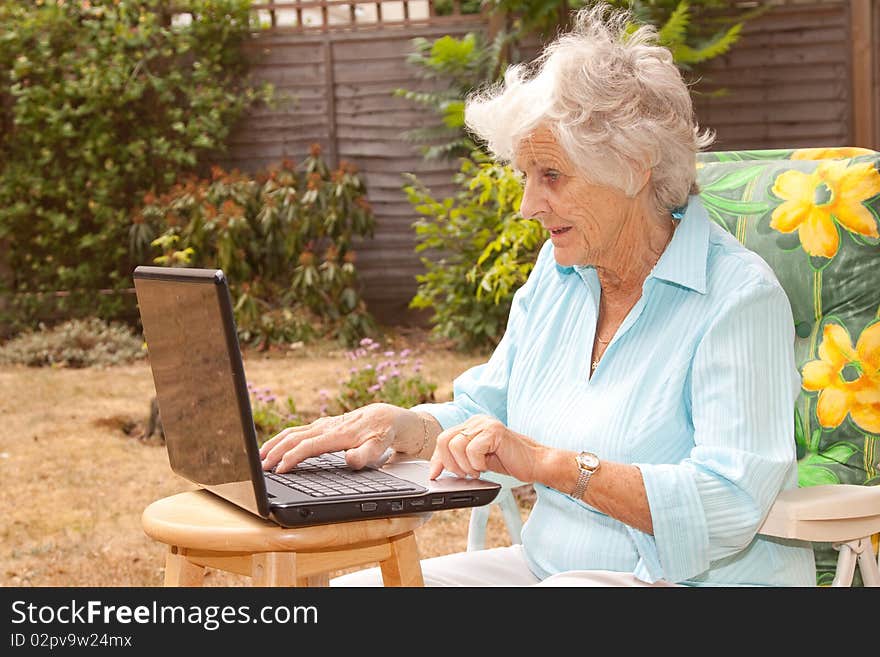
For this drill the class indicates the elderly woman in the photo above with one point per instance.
(646, 379)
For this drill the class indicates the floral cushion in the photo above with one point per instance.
(812, 214)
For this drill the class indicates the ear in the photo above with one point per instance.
(643, 176)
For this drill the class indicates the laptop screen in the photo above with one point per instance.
(199, 379)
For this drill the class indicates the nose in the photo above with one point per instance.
(533, 202)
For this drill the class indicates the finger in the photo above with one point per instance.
(292, 436)
(369, 453)
(435, 467)
(274, 456)
(339, 438)
(288, 442)
(267, 446)
(442, 453)
(477, 450)
(458, 449)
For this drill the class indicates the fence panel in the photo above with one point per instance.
(788, 81)
(338, 92)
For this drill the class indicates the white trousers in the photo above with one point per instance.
(501, 566)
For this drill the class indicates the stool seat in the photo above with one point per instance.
(203, 530)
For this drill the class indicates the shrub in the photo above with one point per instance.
(284, 239)
(75, 343)
(100, 101)
(483, 250)
(461, 65)
(271, 415)
(382, 377)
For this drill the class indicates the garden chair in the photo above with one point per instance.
(813, 215)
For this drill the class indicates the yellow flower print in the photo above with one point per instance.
(829, 153)
(848, 379)
(814, 201)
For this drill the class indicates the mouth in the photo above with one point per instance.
(559, 230)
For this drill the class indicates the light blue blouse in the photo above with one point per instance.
(697, 388)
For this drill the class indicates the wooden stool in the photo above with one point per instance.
(203, 530)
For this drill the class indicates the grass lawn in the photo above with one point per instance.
(75, 480)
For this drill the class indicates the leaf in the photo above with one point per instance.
(715, 48)
(733, 180)
(674, 30)
(734, 207)
(840, 452)
(815, 475)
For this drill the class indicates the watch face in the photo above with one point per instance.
(588, 461)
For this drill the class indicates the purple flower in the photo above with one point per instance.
(382, 379)
(417, 369)
(353, 370)
(366, 342)
(270, 399)
(395, 373)
(375, 388)
(324, 392)
(388, 354)
(405, 353)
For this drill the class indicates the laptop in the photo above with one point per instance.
(210, 435)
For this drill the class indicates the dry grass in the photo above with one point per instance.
(73, 480)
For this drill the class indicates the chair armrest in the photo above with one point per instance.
(826, 513)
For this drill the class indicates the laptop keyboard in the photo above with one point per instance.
(328, 475)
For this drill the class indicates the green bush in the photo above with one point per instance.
(99, 102)
(484, 250)
(75, 343)
(382, 377)
(271, 414)
(481, 249)
(284, 239)
(460, 64)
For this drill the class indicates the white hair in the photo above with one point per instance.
(614, 100)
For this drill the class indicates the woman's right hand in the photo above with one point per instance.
(365, 433)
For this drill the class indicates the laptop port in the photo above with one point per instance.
(369, 506)
(436, 501)
(417, 503)
(397, 505)
(460, 499)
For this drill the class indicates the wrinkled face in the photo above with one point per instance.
(584, 219)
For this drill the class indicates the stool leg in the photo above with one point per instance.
(476, 536)
(322, 580)
(403, 568)
(867, 566)
(180, 571)
(846, 563)
(274, 569)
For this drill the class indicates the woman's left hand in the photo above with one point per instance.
(484, 443)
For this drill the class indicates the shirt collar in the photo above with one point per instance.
(684, 260)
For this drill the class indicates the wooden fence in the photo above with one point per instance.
(340, 86)
(802, 74)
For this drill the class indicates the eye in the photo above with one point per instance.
(552, 175)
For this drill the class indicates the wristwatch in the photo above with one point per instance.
(587, 464)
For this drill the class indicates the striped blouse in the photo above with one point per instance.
(696, 388)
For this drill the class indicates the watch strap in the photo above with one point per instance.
(581, 485)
